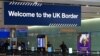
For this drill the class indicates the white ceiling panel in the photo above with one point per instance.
(90, 9)
(90, 15)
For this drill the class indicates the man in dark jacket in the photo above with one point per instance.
(63, 48)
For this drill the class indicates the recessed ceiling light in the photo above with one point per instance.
(98, 13)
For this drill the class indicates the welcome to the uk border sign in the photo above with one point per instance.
(27, 13)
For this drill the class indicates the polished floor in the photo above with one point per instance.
(40, 54)
(30, 53)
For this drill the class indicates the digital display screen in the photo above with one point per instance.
(41, 40)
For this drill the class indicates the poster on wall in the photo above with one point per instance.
(84, 43)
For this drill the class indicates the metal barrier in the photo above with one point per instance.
(35, 53)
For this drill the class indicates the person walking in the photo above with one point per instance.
(64, 48)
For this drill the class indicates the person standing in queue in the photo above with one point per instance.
(49, 48)
(48, 44)
(64, 48)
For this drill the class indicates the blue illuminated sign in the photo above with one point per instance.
(27, 13)
(21, 32)
(4, 33)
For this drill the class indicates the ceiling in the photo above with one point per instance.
(90, 8)
(89, 2)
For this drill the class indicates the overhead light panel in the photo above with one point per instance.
(87, 5)
(98, 13)
(91, 20)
